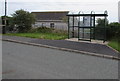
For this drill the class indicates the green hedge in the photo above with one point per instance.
(113, 30)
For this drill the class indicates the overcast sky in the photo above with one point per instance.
(61, 0)
(99, 6)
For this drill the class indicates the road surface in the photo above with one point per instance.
(30, 62)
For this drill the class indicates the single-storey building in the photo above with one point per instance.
(53, 19)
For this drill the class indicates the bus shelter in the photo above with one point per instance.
(83, 26)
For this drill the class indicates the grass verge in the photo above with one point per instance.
(51, 36)
(115, 44)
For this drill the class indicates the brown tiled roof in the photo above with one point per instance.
(52, 15)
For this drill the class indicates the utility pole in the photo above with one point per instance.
(5, 19)
(5, 7)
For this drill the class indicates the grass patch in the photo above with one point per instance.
(51, 36)
(115, 44)
(42, 33)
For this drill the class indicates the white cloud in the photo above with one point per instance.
(60, 0)
(72, 5)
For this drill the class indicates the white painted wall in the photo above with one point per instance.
(57, 25)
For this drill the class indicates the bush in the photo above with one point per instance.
(99, 29)
(22, 20)
(46, 30)
(41, 30)
(113, 30)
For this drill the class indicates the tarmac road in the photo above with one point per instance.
(30, 62)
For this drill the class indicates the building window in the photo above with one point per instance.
(52, 25)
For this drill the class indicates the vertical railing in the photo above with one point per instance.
(90, 26)
(79, 29)
(73, 28)
(94, 28)
(68, 28)
(105, 26)
(92, 21)
(79, 25)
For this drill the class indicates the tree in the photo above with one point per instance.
(101, 22)
(22, 20)
(114, 29)
(100, 30)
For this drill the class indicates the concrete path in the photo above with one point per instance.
(80, 46)
(92, 41)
